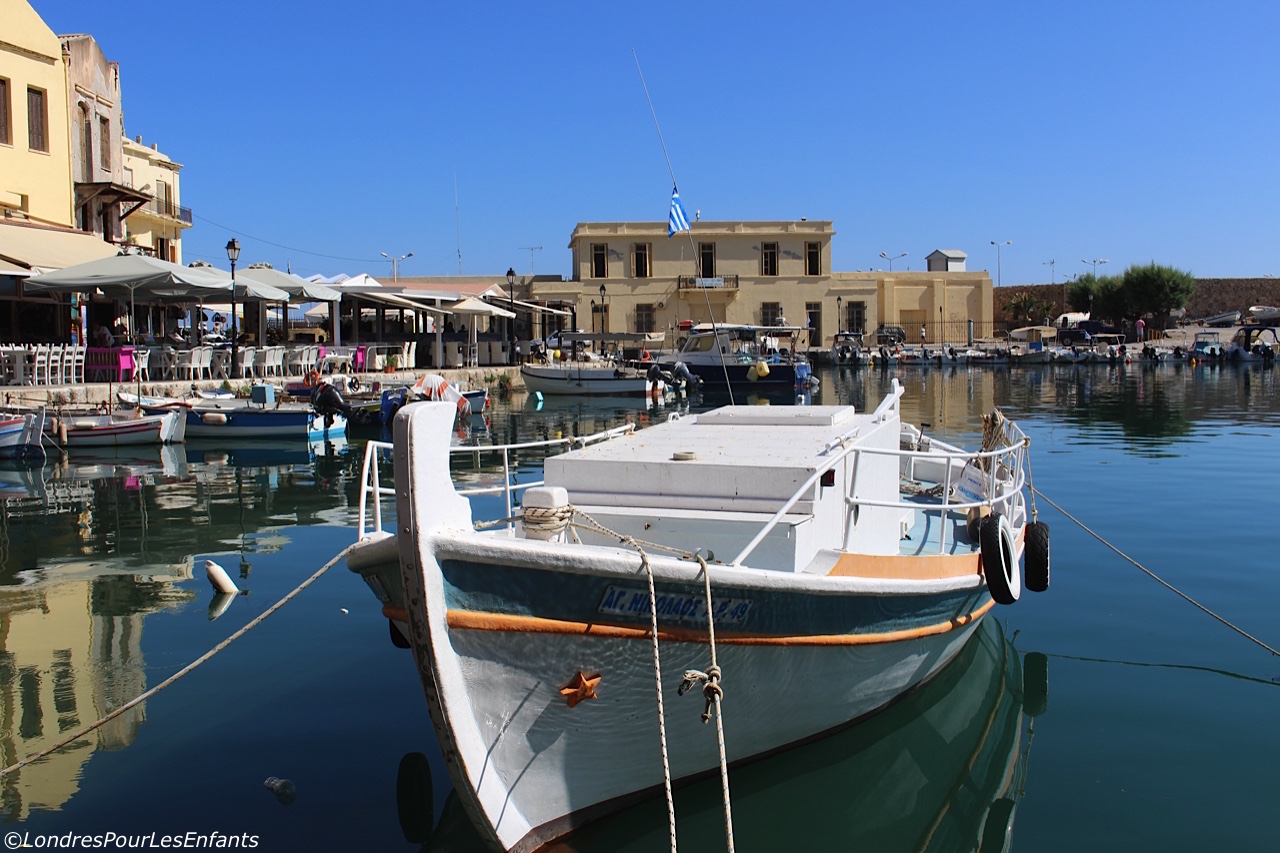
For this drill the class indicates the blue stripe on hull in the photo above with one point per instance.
(585, 598)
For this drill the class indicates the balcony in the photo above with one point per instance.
(166, 209)
(693, 282)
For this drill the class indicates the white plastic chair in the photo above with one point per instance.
(184, 367)
(244, 366)
(142, 364)
(40, 376)
(77, 365)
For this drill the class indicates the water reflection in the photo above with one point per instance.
(95, 542)
(941, 770)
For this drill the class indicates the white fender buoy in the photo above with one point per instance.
(219, 578)
(214, 418)
(221, 601)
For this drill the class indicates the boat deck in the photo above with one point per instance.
(927, 525)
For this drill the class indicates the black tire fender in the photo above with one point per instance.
(999, 559)
(1036, 548)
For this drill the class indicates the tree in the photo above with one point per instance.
(1154, 290)
(1100, 296)
(1025, 306)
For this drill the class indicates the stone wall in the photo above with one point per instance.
(1213, 296)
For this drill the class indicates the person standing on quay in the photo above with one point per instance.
(922, 334)
(1141, 327)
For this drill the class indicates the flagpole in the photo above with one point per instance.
(675, 205)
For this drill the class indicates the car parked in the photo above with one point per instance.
(890, 335)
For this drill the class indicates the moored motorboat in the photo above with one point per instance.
(855, 575)
(237, 418)
(739, 355)
(118, 430)
(21, 435)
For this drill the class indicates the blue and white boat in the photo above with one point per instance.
(832, 552)
(229, 417)
(21, 435)
(739, 355)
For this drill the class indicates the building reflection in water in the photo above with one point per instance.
(92, 544)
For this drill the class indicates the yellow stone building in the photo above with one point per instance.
(629, 277)
(35, 154)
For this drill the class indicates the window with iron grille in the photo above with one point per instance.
(813, 259)
(855, 317)
(640, 260)
(37, 121)
(768, 259)
(599, 260)
(645, 318)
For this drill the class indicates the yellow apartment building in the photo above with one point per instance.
(157, 225)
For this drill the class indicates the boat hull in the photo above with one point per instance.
(585, 381)
(498, 643)
(245, 422)
(740, 374)
(164, 428)
(20, 436)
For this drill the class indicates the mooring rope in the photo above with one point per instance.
(84, 730)
(713, 693)
(657, 678)
(1156, 577)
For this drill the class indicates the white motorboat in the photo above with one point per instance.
(1265, 313)
(120, 429)
(829, 549)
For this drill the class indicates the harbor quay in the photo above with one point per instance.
(99, 394)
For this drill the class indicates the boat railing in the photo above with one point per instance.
(1000, 492)
(373, 492)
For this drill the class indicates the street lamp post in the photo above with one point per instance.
(999, 276)
(395, 264)
(233, 255)
(839, 315)
(1095, 262)
(603, 316)
(511, 321)
(892, 258)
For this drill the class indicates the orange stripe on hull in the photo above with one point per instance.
(470, 620)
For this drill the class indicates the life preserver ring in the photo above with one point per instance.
(999, 559)
(311, 378)
(644, 355)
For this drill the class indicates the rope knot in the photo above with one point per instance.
(711, 689)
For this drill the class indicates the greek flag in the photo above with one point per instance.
(677, 220)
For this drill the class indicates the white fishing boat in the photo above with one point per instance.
(589, 378)
(21, 435)
(848, 349)
(741, 355)
(831, 551)
(1265, 313)
(120, 429)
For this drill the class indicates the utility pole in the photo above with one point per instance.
(531, 250)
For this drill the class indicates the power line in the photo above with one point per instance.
(282, 246)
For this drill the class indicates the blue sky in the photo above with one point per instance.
(323, 134)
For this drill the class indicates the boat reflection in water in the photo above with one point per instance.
(942, 770)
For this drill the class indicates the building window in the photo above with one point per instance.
(768, 259)
(855, 317)
(640, 260)
(813, 319)
(770, 313)
(813, 259)
(599, 260)
(104, 142)
(645, 319)
(707, 259)
(5, 139)
(37, 121)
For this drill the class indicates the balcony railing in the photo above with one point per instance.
(720, 282)
(167, 209)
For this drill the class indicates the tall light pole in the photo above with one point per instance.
(1050, 264)
(1095, 263)
(511, 321)
(999, 246)
(395, 264)
(233, 255)
(892, 258)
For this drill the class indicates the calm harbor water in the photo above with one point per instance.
(1104, 714)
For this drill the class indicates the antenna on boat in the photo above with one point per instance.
(715, 333)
